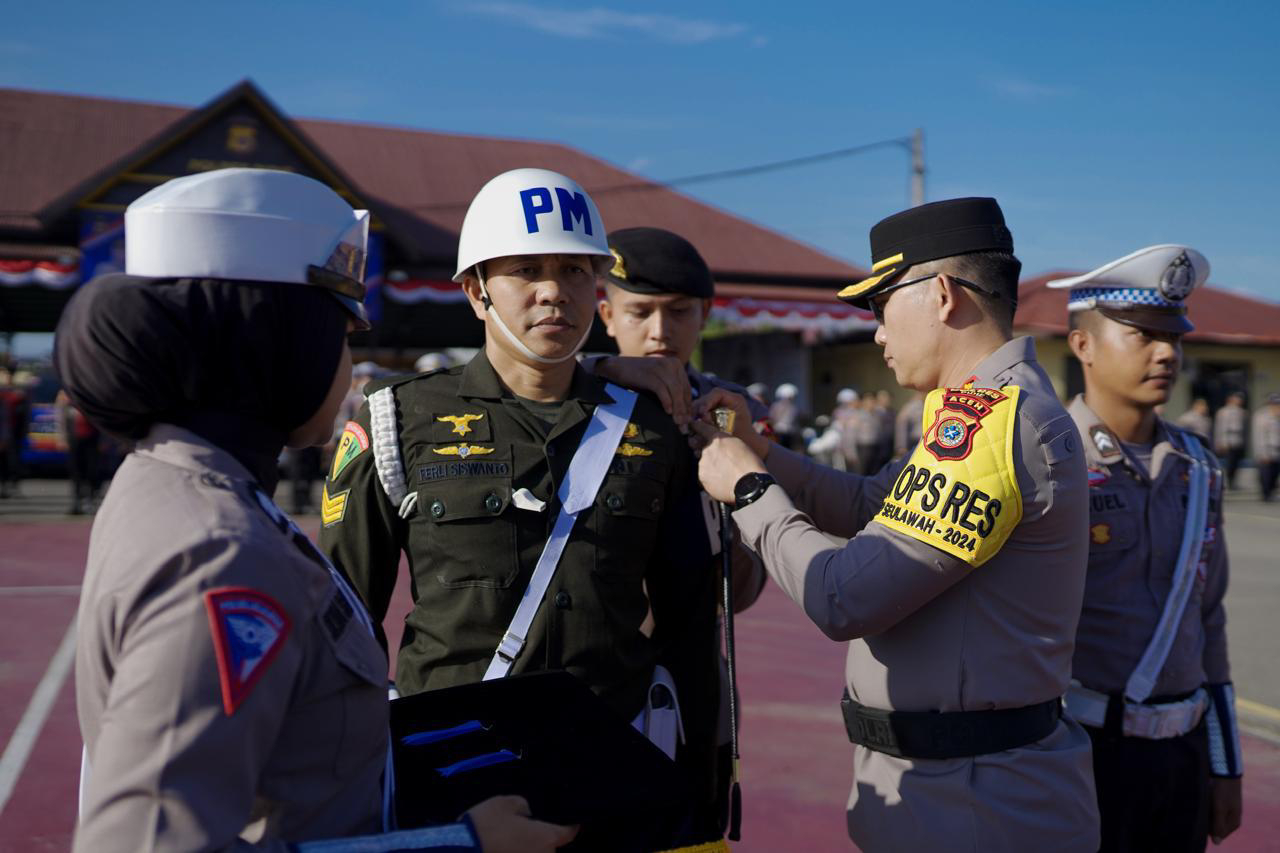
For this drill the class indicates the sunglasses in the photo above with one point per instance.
(881, 299)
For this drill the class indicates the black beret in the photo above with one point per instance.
(651, 260)
(940, 229)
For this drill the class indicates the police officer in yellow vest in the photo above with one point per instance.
(961, 585)
(1152, 681)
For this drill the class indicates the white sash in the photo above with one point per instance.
(1143, 679)
(577, 492)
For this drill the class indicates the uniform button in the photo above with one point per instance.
(563, 600)
(493, 503)
(656, 506)
(613, 502)
(437, 509)
(551, 450)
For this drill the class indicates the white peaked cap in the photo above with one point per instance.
(530, 212)
(1171, 270)
(250, 225)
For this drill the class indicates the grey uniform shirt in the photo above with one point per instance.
(1136, 522)
(1229, 427)
(228, 695)
(930, 633)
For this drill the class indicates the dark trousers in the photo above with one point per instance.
(82, 466)
(1153, 794)
(1267, 473)
(1232, 459)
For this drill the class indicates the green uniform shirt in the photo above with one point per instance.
(467, 446)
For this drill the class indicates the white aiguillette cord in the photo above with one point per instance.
(577, 492)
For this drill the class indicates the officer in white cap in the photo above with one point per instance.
(531, 548)
(1151, 679)
(229, 686)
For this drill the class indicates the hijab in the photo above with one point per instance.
(242, 364)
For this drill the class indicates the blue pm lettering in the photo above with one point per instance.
(573, 208)
(531, 210)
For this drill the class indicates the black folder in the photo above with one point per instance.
(544, 736)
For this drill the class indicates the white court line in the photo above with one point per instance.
(28, 730)
(72, 589)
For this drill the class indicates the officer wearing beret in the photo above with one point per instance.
(657, 300)
(1152, 681)
(229, 688)
(961, 585)
(465, 469)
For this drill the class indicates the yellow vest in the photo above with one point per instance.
(959, 492)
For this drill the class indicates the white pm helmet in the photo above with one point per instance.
(531, 212)
(251, 225)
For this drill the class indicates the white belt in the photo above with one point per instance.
(1153, 722)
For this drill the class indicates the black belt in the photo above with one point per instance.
(954, 734)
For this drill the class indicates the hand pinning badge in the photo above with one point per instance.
(724, 418)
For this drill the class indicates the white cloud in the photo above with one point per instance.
(600, 23)
(1023, 89)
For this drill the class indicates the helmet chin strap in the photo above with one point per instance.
(511, 336)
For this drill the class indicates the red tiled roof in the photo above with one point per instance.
(53, 143)
(1220, 316)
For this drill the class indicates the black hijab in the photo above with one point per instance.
(241, 364)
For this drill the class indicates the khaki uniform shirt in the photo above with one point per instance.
(1266, 435)
(929, 633)
(472, 549)
(207, 729)
(1136, 522)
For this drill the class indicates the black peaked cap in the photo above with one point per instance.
(652, 260)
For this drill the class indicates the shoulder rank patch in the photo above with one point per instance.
(332, 507)
(354, 441)
(959, 491)
(461, 423)
(249, 628)
(625, 449)
(463, 450)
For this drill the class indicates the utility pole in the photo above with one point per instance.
(917, 167)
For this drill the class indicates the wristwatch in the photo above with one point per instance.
(749, 488)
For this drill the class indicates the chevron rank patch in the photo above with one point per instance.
(333, 507)
(249, 628)
(354, 441)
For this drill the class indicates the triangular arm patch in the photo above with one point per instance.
(249, 628)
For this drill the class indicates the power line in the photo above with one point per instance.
(703, 177)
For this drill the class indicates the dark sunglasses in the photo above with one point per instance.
(878, 303)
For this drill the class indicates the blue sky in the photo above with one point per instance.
(1100, 127)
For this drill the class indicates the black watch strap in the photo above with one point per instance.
(749, 488)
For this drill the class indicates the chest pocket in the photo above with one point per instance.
(471, 531)
(625, 520)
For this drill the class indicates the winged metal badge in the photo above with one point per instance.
(463, 450)
(461, 423)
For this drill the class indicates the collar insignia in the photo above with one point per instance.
(1103, 440)
(463, 450)
(461, 423)
(625, 449)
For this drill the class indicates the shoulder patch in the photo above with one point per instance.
(249, 628)
(959, 491)
(354, 441)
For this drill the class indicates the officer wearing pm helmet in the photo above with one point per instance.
(464, 469)
(961, 585)
(1152, 682)
(228, 684)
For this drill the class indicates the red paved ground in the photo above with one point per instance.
(796, 762)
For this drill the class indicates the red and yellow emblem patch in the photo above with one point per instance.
(950, 438)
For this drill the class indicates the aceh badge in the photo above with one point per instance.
(950, 438)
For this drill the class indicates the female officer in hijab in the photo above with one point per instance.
(229, 688)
